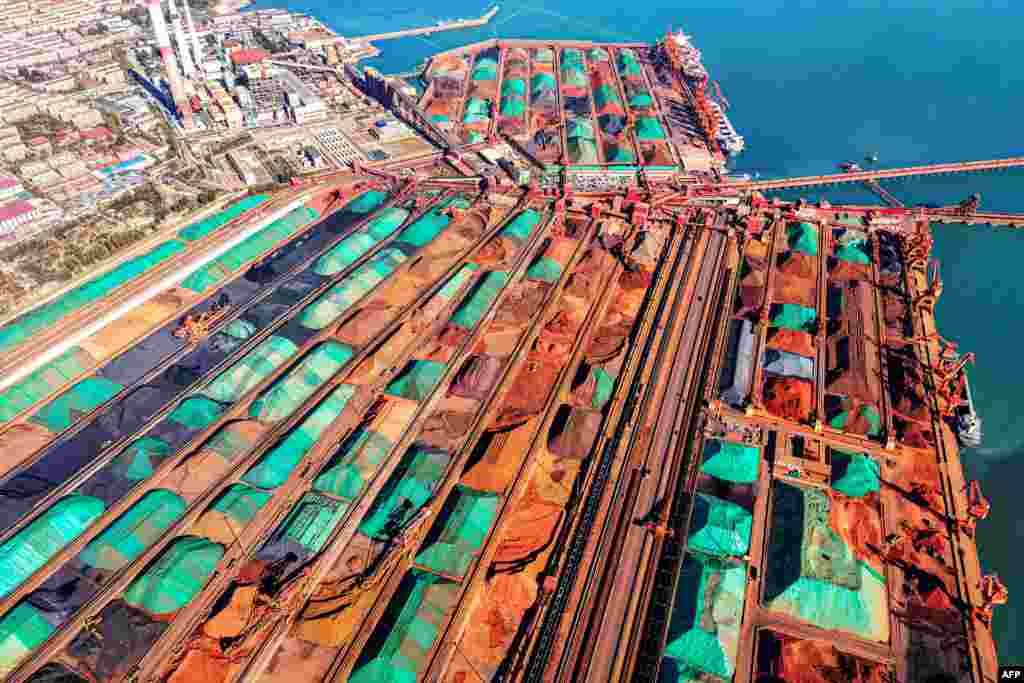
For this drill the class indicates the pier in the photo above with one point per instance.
(429, 30)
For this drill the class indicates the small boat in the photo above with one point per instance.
(872, 158)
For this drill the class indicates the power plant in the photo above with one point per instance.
(170, 61)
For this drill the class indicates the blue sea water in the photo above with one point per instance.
(815, 83)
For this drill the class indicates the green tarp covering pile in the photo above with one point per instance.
(311, 522)
(544, 269)
(251, 248)
(197, 412)
(803, 237)
(255, 366)
(367, 202)
(703, 636)
(140, 459)
(649, 128)
(855, 474)
(465, 522)
(336, 301)
(22, 630)
(23, 327)
(544, 55)
(470, 311)
(868, 412)
(240, 504)
(793, 317)
(417, 380)
(299, 383)
(477, 110)
(597, 54)
(79, 400)
(629, 66)
(485, 69)
(583, 151)
(397, 651)
(439, 118)
(513, 87)
(424, 229)
(542, 83)
(180, 572)
(719, 527)
(512, 107)
(812, 575)
(605, 94)
(452, 287)
(580, 128)
(240, 329)
(619, 154)
(42, 382)
(45, 536)
(520, 227)
(731, 461)
(353, 465)
(274, 467)
(410, 487)
(641, 99)
(854, 252)
(130, 534)
(213, 222)
(353, 247)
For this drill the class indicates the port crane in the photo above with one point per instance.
(993, 592)
(978, 507)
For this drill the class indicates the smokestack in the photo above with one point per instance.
(163, 41)
(196, 47)
(179, 35)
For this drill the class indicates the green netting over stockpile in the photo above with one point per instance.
(514, 86)
(641, 99)
(24, 326)
(541, 83)
(197, 412)
(793, 317)
(597, 54)
(731, 461)
(604, 384)
(472, 309)
(802, 237)
(255, 366)
(719, 527)
(545, 269)
(240, 329)
(240, 503)
(649, 128)
(354, 463)
(334, 303)
(486, 69)
(580, 128)
(572, 56)
(854, 252)
(512, 107)
(417, 380)
(544, 55)
(867, 411)
(703, 635)
(424, 229)
(628, 63)
(140, 458)
(32, 547)
(201, 229)
(520, 227)
(311, 522)
(398, 650)
(452, 287)
(134, 531)
(582, 151)
(408, 489)
(352, 248)
(299, 383)
(22, 630)
(573, 75)
(474, 136)
(460, 531)
(79, 400)
(274, 467)
(42, 382)
(619, 154)
(812, 574)
(250, 249)
(367, 202)
(181, 571)
(439, 118)
(855, 474)
(605, 94)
